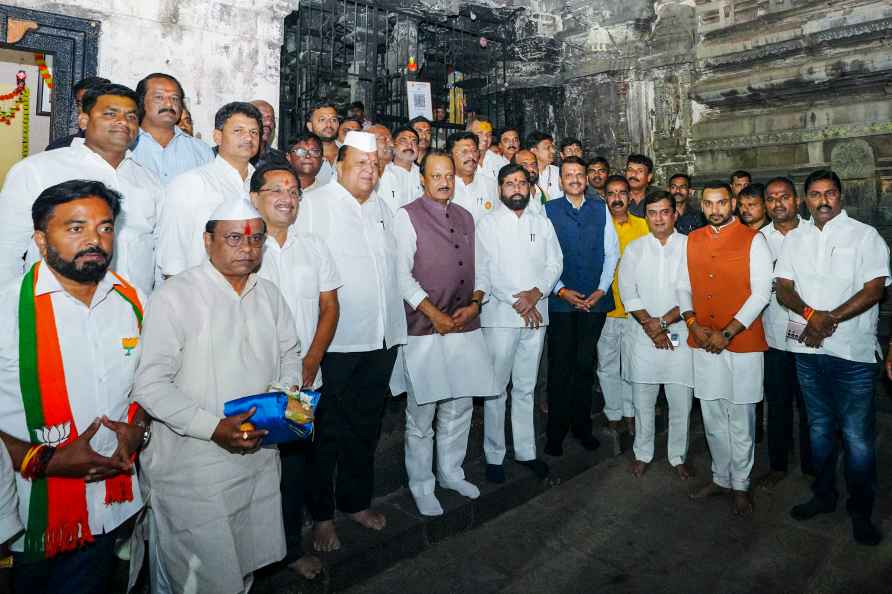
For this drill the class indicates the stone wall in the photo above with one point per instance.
(220, 50)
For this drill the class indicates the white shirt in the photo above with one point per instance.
(398, 187)
(760, 283)
(10, 524)
(492, 163)
(326, 173)
(648, 276)
(302, 269)
(134, 256)
(550, 182)
(361, 240)
(190, 200)
(775, 317)
(479, 197)
(218, 514)
(828, 267)
(515, 254)
(98, 377)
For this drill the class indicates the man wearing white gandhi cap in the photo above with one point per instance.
(356, 226)
(213, 333)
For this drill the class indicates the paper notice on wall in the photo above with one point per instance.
(419, 97)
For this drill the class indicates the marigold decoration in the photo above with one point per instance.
(26, 121)
(44, 70)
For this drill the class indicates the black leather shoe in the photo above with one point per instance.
(589, 443)
(865, 532)
(810, 509)
(495, 473)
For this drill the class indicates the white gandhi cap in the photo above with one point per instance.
(235, 209)
(362, 141)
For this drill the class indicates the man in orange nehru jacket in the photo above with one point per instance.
(724, 285)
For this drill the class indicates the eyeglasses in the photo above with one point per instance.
(295, 193)
(235, 240)
(302, 152)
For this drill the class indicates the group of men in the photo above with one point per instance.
(147, 280)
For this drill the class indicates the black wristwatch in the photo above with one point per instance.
(479, 303)
(727, 334)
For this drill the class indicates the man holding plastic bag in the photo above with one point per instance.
(213, 334)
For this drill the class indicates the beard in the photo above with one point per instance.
(91, 272)
(516, 201)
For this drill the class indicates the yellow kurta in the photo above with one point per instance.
(633, 228)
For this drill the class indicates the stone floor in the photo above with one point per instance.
(605, 531)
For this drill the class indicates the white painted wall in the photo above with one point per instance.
(220, 50)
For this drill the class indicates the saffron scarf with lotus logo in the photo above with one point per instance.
(57, 517)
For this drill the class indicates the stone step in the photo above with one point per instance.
(366, 553)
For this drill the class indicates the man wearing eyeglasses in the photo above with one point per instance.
(305, 155)
(194, 195)
(831, 275)
(302, 267)
(214, 333)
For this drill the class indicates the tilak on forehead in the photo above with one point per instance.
(247, 228)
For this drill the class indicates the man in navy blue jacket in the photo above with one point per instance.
(577, 306)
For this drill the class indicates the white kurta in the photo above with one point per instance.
(550, 182)
(326, 173)
(648, 276)
(10, 524)
(828, 267)
(398, 187)
(515, 254)
(432, 361)
(480, 197)
(217, 515)
(98, 376)
(775, 317)
(190, 200)
(492, 163)
(134, 256)
(735, 377)
(302, 269)
(360, 238)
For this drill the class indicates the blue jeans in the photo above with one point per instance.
(839, 397)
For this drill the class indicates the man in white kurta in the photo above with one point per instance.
(724, 286)
(490, 163)
(400, 182)
(101, 156)
(192, 196)
(357, 227)
(519, 261)
(656, 352)
(302, 267)
(475, 191)
(542, 145)
(446, 358)
(214, 333)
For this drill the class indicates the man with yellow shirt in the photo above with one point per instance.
(618, 403)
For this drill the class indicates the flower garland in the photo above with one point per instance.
(22, 96)
(45, 73)
(26, 121)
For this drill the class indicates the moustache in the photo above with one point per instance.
(824, 208)
(632, 178)
(166, 110)
(92, 250)
(617, 204)
(443, 189)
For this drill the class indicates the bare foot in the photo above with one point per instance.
(639, 468)
(708, 490)
(683, 471)
(770, 479)
(370, 519)
(630, 424)
(543, 406)
(308, 566)
(325, 538)
(743, 503)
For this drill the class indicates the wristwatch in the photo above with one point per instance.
(664, 325)
(727, 334)
(146, 434)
